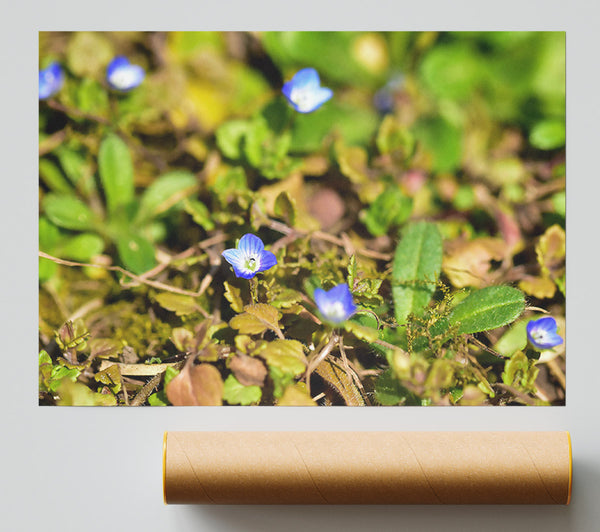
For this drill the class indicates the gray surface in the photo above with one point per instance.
(100, 469)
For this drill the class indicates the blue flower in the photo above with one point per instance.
(542, 333)
(304, 91)
(336, 305)
(51, 80)
(122, 75)
(250, 257)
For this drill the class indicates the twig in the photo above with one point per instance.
(154, 284)
(519, 395)
(147, 389)
(76, 112)
(351, 371)
(320, 235)
(319, 358)
(481, 345)
(138, 370)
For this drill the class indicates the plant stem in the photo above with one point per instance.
(313, 364)
(253, 290)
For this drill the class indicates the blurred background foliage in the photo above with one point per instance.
(463, 129)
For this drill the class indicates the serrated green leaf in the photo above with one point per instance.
(256, 319)
(416, 268)
(236, 393)
(168, 190)
(137, 253)
(68, 212)
(116, 172)
(287, 355)
(488, 308)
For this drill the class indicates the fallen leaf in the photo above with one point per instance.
(248, 370)
(196, 386)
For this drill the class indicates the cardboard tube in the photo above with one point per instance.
(367, 467)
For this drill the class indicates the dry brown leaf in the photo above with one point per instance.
(467, 263)
(248, 371)
(196, 386)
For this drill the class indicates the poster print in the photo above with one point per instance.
(302, 218)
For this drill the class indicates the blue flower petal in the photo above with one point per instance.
(250, 245)
(542, 333)
(51, 80)
(267, 260)
(304, 92)
(320, 297)
(122, 75)
(336, 305)
(118, 62)
(306, 78)
(233, 256)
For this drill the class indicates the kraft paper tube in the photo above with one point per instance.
(367, 467)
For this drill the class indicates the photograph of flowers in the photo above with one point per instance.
(302, 218)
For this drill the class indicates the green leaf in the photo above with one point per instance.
(389, 391)
(394, 137)
(158, 399)
(548, 134)
(199, 213)
(68, 212)
(232, 294)
(442, 140)
(229, 138)
(287, 355)
(362, 332)
(180, 304)
(390, 208)
(53, 178)
(416, 268)
(256, 319)
(116, 172)
(92, 97)
(78, 394)
(49, 235)
(165, 192)
(354, 124)
(451, 71)
(137, 253)
(238, 394)
(519, 371)
(81, 247)
(488, 308)
(513, 340)
(285, 208)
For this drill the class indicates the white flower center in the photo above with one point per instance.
(252, 263)
(336, 311)
(303, 98)
(123, 78)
